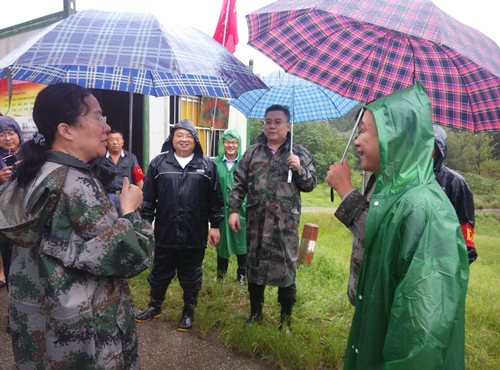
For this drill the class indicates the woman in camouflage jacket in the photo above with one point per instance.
(70, 304)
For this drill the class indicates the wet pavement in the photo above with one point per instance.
(161, 346)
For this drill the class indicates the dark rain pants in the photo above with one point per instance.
(187, 262)
(286, 296)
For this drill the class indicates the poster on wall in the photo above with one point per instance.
(211, 107)
(21, 106)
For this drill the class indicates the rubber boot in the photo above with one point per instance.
(242, 269)
(256, 304)
(156, 296)
(190, 301)
(222, 265)
(286, 318)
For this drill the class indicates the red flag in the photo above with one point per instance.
(231, 28)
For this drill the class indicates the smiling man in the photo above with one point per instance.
(117, 159)
(410, 300)
(182, 194)
(231, 243)
(273, 211)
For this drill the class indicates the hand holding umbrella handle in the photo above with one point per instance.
(348, 144)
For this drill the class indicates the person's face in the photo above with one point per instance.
(183, 142)
(115, 143)
(231, 147)
(9, 140)
(90, 133)
(276, 127)
(436, 154)
(367, 143)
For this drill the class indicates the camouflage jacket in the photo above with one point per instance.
(352, 212)
(70, 304)
(273, 209)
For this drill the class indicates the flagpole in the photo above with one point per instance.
(215, 105)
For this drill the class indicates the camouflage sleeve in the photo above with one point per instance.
(86, 233)
(353, 211)
(215, 201)
(306, 177)
(148, 208)
(240, 183)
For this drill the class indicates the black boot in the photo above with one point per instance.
(256, 304)
(190, 301)
(157, 296)
(222, 265)
(286, 318)
(242, 269)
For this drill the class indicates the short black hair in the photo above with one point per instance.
(115, 131)
(282, 108)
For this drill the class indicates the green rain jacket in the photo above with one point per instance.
(410, 304)
(231, 243)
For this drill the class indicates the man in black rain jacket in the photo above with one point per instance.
(182, 194)
(457, 190)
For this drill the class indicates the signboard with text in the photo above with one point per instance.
(21, 105)
(214, 113)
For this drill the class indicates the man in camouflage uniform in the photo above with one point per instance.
(352, 212)
(273, 210)
(70, 303)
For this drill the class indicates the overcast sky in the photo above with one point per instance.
(204, 14)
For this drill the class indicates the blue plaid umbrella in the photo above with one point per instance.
(307, 101)
(98, 49)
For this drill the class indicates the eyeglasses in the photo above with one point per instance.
(182, 136)
(5, 134)
(101, 120)
(230, 142)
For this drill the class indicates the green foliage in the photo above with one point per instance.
(482, 186)
(468, 152)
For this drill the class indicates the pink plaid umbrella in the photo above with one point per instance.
(366, 49)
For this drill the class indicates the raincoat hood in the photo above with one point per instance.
(186, 125)
(230, 134)
(404, 127)
(7, 123)
(442, 144)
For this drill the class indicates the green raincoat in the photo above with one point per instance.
(410, 304)
(231, 243)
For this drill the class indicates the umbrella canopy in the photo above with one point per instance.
(98, 49)
(366, 49)
(307, 101)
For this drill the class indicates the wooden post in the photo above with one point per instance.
(308, 243)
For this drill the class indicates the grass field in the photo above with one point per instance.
(322, 315)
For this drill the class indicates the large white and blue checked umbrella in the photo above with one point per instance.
(306, 100)
(98, 49)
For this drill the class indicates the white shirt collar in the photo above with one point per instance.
(122, 154)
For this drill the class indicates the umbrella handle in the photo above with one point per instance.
(348, 144)
(289, 175)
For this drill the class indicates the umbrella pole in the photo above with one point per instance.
(382, 62)
(291, 137)
(130, 124)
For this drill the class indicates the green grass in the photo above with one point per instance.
(320, 197)
(322, 315)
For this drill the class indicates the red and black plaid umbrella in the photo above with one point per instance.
(366, 49)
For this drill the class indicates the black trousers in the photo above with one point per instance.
(286, 296)
(187, 262)
(6, 253)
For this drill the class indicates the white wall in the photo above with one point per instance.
(159, 108)
(238, 122)
(10, 43)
